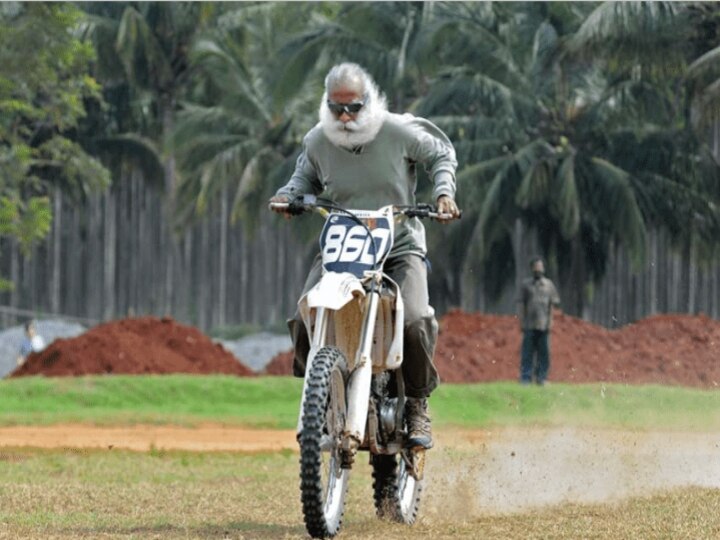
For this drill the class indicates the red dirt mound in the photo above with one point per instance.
(663, 349)
(281, 364)
(134, 346)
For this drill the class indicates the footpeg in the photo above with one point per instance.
(414, 459)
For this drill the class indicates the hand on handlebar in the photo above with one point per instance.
(274, 205)
(446, 205)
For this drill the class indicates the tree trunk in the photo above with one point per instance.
(56, 262)
(172, 250)
(654, 266)
(222, 260)
(692, 275)
(15, 273)
(109, 256)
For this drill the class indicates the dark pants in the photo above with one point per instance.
(535, 342)
(421, 328)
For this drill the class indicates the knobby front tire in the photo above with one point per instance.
(323, 483)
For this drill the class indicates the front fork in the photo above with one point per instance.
(358, 387)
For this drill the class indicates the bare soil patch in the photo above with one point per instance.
(204, 438)
(472, 347)
(663, 349)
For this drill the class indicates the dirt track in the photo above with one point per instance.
(470, 473)
(204, 438)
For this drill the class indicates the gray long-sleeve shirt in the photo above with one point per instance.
(382, 173)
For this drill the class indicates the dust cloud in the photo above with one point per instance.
(511, 470)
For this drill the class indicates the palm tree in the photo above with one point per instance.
(233, 140)
(543, 132)
(151, 42)
(649, 46)
(381, 36)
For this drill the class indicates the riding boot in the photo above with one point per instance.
(418, 422)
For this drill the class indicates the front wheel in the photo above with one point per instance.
(396, 491)
(323, 483)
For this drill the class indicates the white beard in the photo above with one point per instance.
(357, 132)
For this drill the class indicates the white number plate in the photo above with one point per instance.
(347, 247)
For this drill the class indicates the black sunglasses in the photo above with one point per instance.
(350, 108)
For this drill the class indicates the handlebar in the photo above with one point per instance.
(425, 211)
(309, 203)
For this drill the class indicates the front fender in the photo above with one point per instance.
(334, 290)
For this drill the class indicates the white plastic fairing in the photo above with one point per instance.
(333, 290)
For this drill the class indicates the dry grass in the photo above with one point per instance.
(119, 494)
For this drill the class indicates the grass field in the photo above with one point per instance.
(273, 401)
(115, 493)
(51, 494)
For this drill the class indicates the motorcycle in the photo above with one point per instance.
(353, 395)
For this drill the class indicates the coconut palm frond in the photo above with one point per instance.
(141, 53)
(135, 149)
(455, 89)
(628, 102)
(196, 120)
(214, 173)
(101, 31)
(478, 150)
(632, 30)
(452, 42)
(499, 198)
(545, 45)
(682, 209)
(247, 13)
(706, 105)
(705, 69)
(229, 73)
(614, 195)
(565, 204)
(532, 153)
(330, 43)
(533, 189)
(476, 127)
(474, 181)
(253, 190)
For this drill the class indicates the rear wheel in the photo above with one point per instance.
(396, 492)
(323, 483)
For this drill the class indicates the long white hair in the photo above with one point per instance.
(365, 127)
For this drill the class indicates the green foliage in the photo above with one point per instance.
(44, 85)
(233, 137)
(585, 121)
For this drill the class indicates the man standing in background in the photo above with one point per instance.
(537, 298)
(32, 342)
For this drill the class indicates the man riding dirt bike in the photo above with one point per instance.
(363, 157)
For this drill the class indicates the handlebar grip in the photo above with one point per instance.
(296, 207)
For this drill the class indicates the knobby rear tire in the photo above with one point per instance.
(322, 495)
(396, 492)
